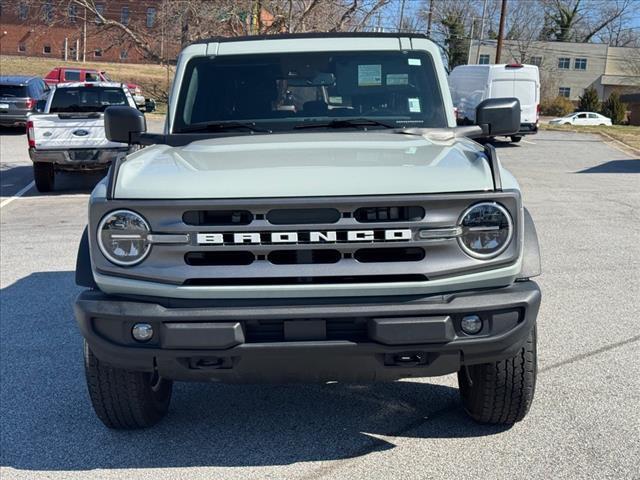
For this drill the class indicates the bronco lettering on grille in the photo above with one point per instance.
(333, 236)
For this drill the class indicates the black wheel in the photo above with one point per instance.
(516, 138)
(123, 399)
(44, 175)
(501, 392)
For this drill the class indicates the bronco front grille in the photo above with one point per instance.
(307, 241)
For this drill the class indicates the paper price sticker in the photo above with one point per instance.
(369, 75)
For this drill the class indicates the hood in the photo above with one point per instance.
(303, 165)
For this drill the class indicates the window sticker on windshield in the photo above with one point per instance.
(414, 105)
(414, 61)
(369, 75)
(335, 100)
(397, 78)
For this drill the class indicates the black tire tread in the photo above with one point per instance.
(501, 392)
(123, 399)
(44, 176)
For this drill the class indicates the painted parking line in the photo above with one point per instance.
(527, 141)
(18, 194)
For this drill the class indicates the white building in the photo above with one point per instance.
(567, 69)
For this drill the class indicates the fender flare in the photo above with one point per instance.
(531, 264)
(84, 274)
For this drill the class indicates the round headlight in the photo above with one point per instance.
(487, 229)
(122, 237)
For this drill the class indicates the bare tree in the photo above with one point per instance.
(581, 20)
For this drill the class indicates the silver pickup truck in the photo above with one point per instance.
(310, 213)
(69, 135)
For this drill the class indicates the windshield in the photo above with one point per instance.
(86, 99)
(284, 90)
(13, 91)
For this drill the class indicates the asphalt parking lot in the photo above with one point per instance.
(584, 195)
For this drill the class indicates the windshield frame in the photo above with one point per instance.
(429, 85)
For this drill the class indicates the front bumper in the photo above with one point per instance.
(309, 340)
(78, 158)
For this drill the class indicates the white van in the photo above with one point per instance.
(471, 84)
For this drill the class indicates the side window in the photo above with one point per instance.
(124, 15)
(580, 64)
(536, 60)
(151, 17)
(72, 75)
(91, 77)
(582, 115)
(593, 115)
(37, 88)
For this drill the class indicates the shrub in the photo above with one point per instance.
(589, 101)
(613, 108)
(558, 107)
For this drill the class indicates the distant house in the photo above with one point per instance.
(567, 69)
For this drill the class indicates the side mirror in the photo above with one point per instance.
(124, 124)
(499, 116)
(149, 105)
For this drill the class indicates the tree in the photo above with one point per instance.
(580, 20)
(589, 101)
(457, 45)
(452, 20)
(181, 22)
(613, 108)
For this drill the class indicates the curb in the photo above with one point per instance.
(602, 134)
(629, 147)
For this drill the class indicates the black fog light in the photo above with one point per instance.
(471, 324)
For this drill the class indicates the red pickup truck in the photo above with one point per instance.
(73, 74)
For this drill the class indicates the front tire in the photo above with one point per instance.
(123, 399)
(501, 392)
(44, 176)
(516, 138)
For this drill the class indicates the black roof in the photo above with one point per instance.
(283, 36)
(15, 79)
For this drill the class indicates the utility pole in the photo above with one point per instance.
(289, 30)
(84, 37)
(473, 22)
(503, 14)
(481, 36)
(429, 18)
(401, 16)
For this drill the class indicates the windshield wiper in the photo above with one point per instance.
(346, 123)
(222, 126)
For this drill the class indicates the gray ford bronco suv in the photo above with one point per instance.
(310, 213)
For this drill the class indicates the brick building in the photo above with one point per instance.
(56, 29)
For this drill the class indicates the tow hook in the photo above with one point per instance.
(406, 359)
